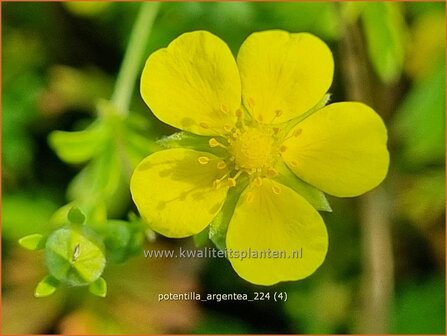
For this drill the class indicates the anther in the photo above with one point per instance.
(272, 172)
(297, 132)
(231, 182)
(204, 125)
(258, 181)
(214, 143)
(221, 165)
(239, 113)
(275, 130)
(278, 113)
(203, 160)
(282, 148)
(276, 190)
(227, 128)
(293, 163)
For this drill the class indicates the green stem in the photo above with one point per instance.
(130, 67)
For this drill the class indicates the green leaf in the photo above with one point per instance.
(122, 239)
(419, 307)
(319, 18)
(46, 287)
(189, 140)
(102, 179)
(33, 242)
(26, 212)
(386, 35)
(420, 121)
(219, 226)
(75, 216)
(78, 147)
(98, 288)
(313, 195)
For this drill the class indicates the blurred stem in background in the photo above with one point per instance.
(130, 68)
(378, 279)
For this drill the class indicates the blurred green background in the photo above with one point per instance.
(385, 269)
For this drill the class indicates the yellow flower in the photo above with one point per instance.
(262, 111)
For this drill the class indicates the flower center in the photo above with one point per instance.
(252, 149)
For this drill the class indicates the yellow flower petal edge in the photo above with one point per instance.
(283, 75)
(173, 191)
(193, 84)
(272, 217)
(341, 149)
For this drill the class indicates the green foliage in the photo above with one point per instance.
(122, 239)
(46, 287)
(98, 288)
(386, 36)
(420, 121)
(75, 216)
(78, 147)
(112, 146)
(33, 242)
(319, 18)
(25, 213)
(415, 316)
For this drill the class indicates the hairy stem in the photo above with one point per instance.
(130, 67)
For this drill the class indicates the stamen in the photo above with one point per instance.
(251, 171)
(214, 143)
(277, 114)
(217, 183)
(276, 190)
(239, 113)
(231, 182)
(258, 181)
(297, 132)
(236, 133)
(221, 165)
(294, 134)
(203, 160)
(293, 163)
(237, 174)
(204, 125)
(275, 130)
(283, 148)
(227, 128)
(272, 172)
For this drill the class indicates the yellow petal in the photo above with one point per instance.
(283, 75)
(174, 192)
(193, 84)
(341, 149)
(274, 217)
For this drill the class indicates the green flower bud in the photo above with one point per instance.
(75, 255)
